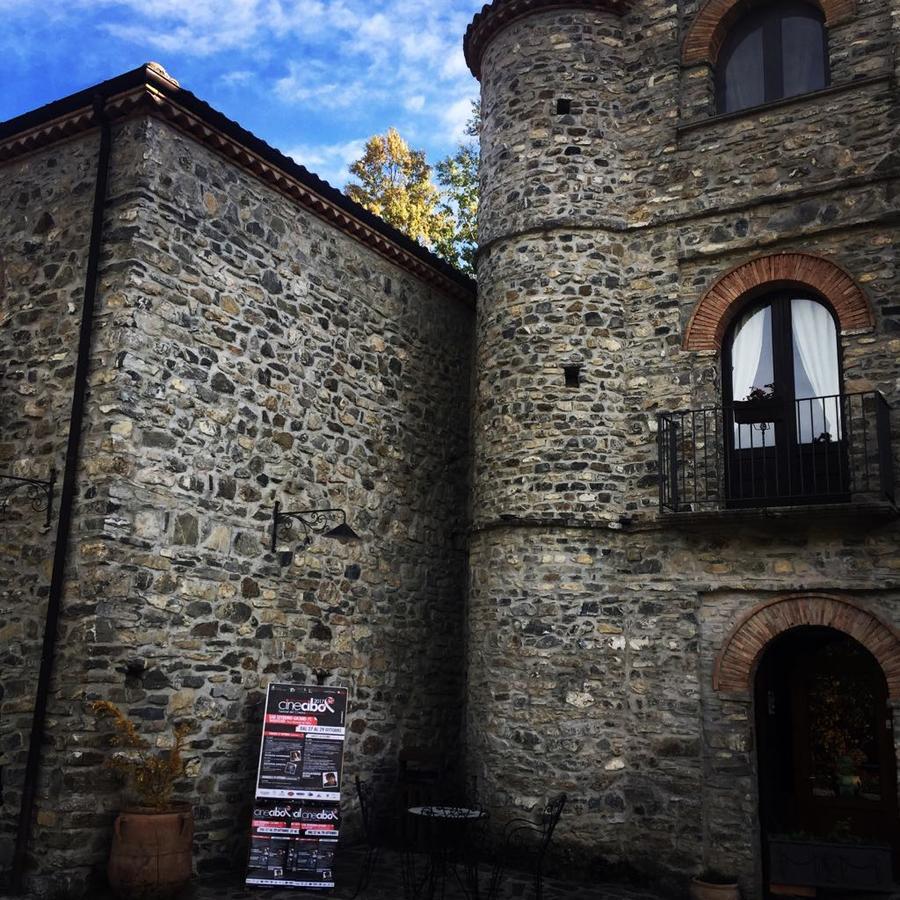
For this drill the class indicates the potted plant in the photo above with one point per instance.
(713, 885)
(151, 855)
(759, 406)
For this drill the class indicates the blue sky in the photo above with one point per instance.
(314, 78)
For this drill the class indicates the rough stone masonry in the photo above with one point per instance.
(246, 352)
(257, 340)
(613, 199)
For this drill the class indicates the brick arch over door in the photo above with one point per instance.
(736, 664)
(716, 309)
(711, 25)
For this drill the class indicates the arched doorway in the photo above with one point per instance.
(825, 748)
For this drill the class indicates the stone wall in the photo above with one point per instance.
(591, 660)
(260, 355)
(248, 353)
(550, 295)
(45, 216)
(593, 618)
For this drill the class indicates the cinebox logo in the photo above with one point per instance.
(276, 812)
(285, 812)
(321, 815)
(313, 705)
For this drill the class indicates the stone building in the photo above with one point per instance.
(629, 522)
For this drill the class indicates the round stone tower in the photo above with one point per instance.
(549, 423)
(546, 626)
(548, 417)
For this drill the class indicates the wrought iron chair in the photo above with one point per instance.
(421, 781)
(376, 829)
(526, 842)
(421, 774)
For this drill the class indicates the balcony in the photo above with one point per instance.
(765, 453)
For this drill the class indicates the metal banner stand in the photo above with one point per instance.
(297, 806)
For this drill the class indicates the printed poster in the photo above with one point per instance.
(298, 818)
(291, 861)
(296, 814)
(302, 751)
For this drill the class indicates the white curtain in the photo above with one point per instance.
(802, 49)
(815, 371)
(803, 52)
(746, 354)
(744, 81)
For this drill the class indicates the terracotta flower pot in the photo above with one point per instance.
(707, 890)
(151, 856)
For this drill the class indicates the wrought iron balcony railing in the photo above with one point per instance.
(777, 453)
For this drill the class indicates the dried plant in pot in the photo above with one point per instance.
(712, 885)
(151, 855)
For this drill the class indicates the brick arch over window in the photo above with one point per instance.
(736, 665)
(717, 307)
(709, 29)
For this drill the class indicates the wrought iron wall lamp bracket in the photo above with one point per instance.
(313, 521)
(40, 493)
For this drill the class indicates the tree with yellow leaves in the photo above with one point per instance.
(394, 182)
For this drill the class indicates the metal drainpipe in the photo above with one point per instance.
(66, 502)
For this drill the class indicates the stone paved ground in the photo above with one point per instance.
(387, 884)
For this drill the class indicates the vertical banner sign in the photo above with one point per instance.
(296, 813)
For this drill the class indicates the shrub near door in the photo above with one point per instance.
(151, 856)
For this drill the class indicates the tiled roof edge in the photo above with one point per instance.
(148, 89)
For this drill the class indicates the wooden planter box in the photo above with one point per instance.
(755, 412)
(862, 867)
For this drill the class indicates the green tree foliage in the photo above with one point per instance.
(394, 182)
(458, 176)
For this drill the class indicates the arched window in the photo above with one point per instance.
(777, 51)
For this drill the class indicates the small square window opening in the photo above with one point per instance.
(573, 376)
(563, 107)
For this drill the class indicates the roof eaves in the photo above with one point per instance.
(149, 89)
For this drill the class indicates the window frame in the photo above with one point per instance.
(773, 55)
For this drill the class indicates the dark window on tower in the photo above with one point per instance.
(563, 107)
(778, 51)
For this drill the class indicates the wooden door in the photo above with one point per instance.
(825, 747)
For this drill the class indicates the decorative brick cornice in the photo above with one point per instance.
(148, 90)
(494, 17)
(709, 29)
(716, 309)
(736, 664)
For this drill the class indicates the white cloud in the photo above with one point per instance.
(238, 77)
(198, 28)
(378, 29)
(313, 82)
(454, 66)
(330, 162)
(357, 64)
(455, 118)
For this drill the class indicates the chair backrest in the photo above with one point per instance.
(550, 819)
(421, 775)
(366, 807)
(418, 764)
